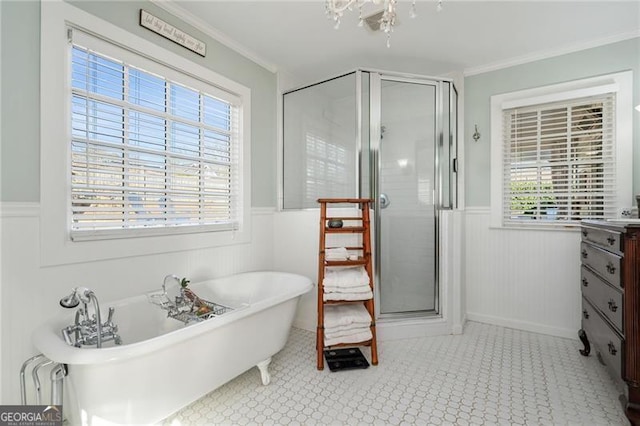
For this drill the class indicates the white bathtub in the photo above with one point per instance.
(163, 365)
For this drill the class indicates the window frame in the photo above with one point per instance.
(619, 83)
(131, 64)
(57, 246)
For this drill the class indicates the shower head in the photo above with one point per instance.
(70, 301)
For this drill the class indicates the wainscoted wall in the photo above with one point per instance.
(516, 278)
(522, 279)
(296, 250)
(30, 293)
(296, 244)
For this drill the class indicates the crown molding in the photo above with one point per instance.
(519, 60)
(179, 12)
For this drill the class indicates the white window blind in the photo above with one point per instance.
(327, 167)
(559, 162)
(152, 150)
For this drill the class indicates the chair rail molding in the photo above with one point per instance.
(19, 209)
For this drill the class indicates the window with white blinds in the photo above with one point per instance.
(327, 167)
(559, 161)
(152, 150)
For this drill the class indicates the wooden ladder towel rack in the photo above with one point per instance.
(364, 259)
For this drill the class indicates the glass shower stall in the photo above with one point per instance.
(389, 137)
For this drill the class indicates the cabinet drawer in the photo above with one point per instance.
(605, 238)
(604, 297)
(604, 263)
(605, 340)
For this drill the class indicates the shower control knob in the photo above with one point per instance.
(384, 201)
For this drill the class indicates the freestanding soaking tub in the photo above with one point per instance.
(163, 364)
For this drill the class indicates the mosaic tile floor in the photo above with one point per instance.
(490, 375)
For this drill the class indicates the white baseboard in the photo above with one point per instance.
(459, 328)
(408, 329)
(523, 325)
(305, 323)
(395, 330)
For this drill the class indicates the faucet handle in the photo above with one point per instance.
(110, 317)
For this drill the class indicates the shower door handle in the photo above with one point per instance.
(384, 201)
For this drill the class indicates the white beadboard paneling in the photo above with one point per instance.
(296, 250)
(526, 279)
(455, 267)
(296, 237)
(295, 245)
(30, 292)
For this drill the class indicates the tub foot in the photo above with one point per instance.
(264, 372)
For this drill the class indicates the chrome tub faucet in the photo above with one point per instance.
(88, 330)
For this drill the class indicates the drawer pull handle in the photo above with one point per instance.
(611, 268)
(585, 232)
(584, 253)
(611, 240)
(585, 283)
(612, 305)
(585, 314)
(612, 349)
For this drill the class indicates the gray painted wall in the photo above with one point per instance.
(621, 56)
(20, 61)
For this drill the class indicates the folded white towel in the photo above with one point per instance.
(335, 258)
(346, 329)
(347, 296)
(359, 289)
(329, 334)
(353, 338)
(345, 315)
(346, 277)
(336, 253)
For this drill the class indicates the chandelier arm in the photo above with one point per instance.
(339, 6)
(336, 8)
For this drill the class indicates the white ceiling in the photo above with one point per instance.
(470, 36)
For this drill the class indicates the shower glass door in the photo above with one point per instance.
(407, 186)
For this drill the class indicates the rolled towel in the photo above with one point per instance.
(330, 334)
(347, 296)
(345, 315)
(352, 338)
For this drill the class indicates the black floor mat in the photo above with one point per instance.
(345, 359)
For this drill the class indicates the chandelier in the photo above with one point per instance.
(386, 19)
